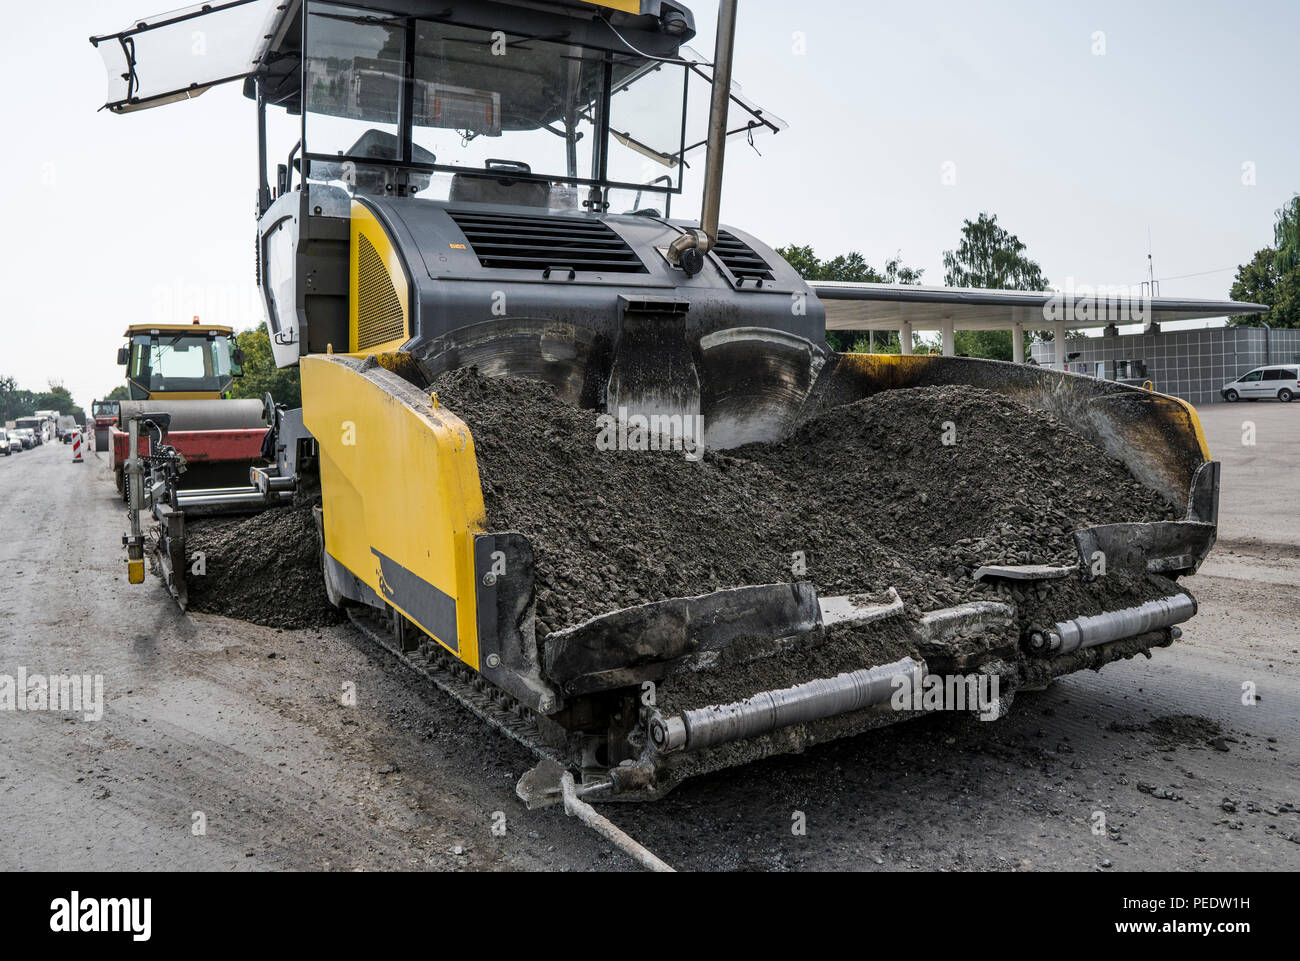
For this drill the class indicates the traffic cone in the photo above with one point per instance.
(76, 448)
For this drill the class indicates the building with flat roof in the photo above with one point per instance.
(905, 308)
(1191, 364)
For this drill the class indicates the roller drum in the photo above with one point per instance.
(190, 415)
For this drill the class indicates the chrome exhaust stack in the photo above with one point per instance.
(688, 250)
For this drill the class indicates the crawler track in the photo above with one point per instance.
(466, 686)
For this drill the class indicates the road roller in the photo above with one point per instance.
(186, 371)
(182, 447)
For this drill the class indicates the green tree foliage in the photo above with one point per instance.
(852, 268)
(120, 392)
(261, 376)
(990, 256)
(1272, 277)
(1262, 282)
(15, 402)
(1286, 236)
(985, 344)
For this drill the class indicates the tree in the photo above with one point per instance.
(11, 399)
(1262, 282)
(852, 268)
(120, 392)
(1272, 277)
(989, 256)
(985, 344)
(1286, 236)
(261, 376)
(59, 398)
(16, 402)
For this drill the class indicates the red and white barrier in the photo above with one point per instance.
(76, 448)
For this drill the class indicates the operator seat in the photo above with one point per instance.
(478, 188)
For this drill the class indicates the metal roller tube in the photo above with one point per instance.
(200, 414)
(1094, 630)
(216, 501)
(721, 724)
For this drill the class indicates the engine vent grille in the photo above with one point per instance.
(739, 258)
(509, 242)
(379, 310)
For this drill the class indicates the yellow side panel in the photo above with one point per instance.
(379, 291)
(1194, 419)
(401, 494)
(627, 6)
(165, 395)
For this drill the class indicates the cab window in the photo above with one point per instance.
(1253, 377)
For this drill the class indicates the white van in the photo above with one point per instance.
(1281, 381)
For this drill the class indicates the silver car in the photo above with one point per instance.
(1276, 382)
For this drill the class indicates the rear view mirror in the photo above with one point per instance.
(123, 356)
(237, 356)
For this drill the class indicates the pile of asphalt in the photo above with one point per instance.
(911, 489)
(263, 568)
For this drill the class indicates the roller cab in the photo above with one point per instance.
(185, 371)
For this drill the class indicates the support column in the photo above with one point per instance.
(949, 339)
(1058, 345)
(1018, 343)
(905, 338)
(871, 342)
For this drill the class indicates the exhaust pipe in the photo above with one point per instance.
(688, 250)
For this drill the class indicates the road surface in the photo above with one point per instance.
(227, 746)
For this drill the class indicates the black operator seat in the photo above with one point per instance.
(376, 180)
(500, 188)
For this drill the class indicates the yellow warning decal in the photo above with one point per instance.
(627, 6)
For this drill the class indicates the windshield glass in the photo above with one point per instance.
(180, 54)
(524, 109)
(179, 363)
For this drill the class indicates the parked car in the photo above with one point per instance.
(4, 444)
(68, 428)
(37, 426)
(16, 442)
(29, 438)
(1280, 381)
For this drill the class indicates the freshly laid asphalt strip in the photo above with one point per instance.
(264, 568)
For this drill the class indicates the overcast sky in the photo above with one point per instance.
(1081, 125)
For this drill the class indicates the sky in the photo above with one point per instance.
(1085, 127)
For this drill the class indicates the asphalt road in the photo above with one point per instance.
(228, 746)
